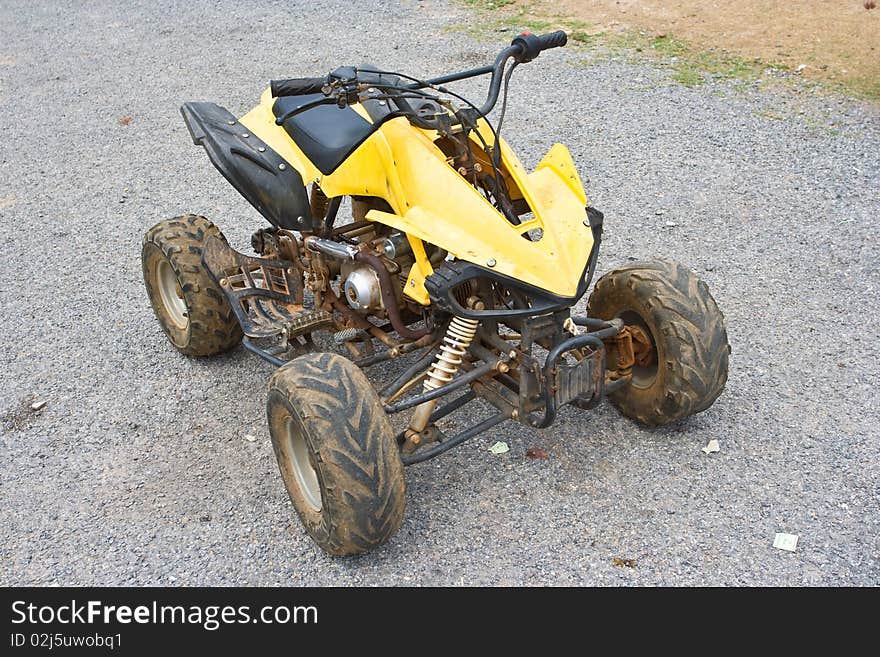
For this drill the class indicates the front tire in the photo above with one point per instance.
(337, 454)
(687, 370)
(189, 305)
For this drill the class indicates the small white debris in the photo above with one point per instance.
(712, 447)
(787, 542)
(250, 438)
(671, 224)
(37, 405)
(801, 68)
(500, 447)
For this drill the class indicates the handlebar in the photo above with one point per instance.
(524, 48)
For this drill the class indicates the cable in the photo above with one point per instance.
(501, 187)
(443, 90)
(497, 151)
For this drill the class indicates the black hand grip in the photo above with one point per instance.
(553, 40)
(296, 86)
(531, 45)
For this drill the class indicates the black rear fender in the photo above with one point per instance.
(259, 174)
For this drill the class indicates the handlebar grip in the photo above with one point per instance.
(532, 45)
(553, 40)
(296, 86)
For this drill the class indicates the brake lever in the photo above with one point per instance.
(342, 83)
(348, 95)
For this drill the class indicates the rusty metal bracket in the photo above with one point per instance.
(265, 294)
(558, 380)
(619, 352)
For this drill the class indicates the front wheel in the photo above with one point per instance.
(682, 355)
(337, 454)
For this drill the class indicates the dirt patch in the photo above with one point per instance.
(22, 414)
(835, 41)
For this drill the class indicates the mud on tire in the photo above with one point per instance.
(195, 316)
(337, 453)
(686, 328)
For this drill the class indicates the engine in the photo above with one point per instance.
(362, 288)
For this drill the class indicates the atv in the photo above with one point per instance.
(457, 263)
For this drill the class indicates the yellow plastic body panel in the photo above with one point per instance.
(433, 203)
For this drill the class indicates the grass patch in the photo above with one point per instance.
(523, 21)
(588, 38)
(867, 88)
(687, 76)
(487, 4)
(688, 65)
(667, 46)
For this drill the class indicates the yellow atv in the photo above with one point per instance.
(456, 261)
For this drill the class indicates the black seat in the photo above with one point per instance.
(326, 134)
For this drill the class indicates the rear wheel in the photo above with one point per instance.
(189, 305)
(680, 340)
(337, 454)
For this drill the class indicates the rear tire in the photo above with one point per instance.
(670, 303)
(337, 453)
(189, 305)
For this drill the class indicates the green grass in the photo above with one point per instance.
(523, 22)
(668, 46)
(687, 64)
(487, 4)
(868, 88)
(588, 38)
(688, 77)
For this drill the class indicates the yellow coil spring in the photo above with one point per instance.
(458, 338)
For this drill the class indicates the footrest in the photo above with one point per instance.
(582, 379)
(265, 295)
(308, 321)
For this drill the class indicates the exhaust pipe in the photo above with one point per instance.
(335, 250)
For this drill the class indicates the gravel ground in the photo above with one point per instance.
(137, 471)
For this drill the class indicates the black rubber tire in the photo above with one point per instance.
(351, 448)
(211, 327)
(688, 333)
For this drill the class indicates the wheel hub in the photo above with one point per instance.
(643, 351)
(303, 470)
(171, 294)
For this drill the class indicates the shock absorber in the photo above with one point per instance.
(458, 338)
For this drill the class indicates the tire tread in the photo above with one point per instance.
(213, 327)
(693, 333)
(352, 439)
